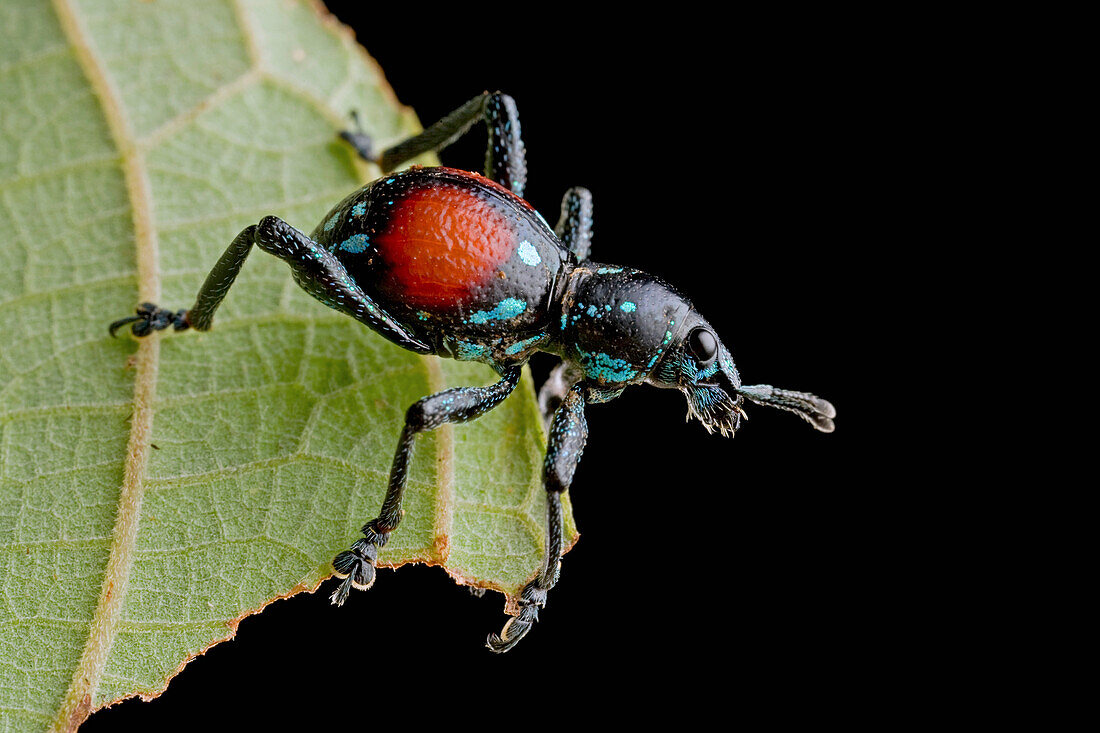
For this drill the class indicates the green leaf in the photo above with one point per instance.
(153, 493)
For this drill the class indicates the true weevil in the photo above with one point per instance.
(452, 263)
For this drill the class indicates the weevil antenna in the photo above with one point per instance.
(811, 408)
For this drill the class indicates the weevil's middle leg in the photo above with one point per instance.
(574, 227)
(461, 404)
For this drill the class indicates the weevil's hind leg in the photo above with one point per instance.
(461, 404)
(568, 434)
(505, 157)
(151, 318)
(574, 226)
(315, 268)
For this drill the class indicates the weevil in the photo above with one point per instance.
(457, 264)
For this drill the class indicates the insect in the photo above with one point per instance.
(453, 263)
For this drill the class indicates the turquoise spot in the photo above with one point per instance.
(466, 351)
(607, 368)
(526, 343)
(628, 307)
(507, 308)
(390, 180)
(608, 270)
(359, 209)
(332, 221)
(528, 253)
(355, 244)
(591, 310)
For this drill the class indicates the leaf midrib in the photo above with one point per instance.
(78, 703)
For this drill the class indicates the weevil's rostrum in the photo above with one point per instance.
(457, 264)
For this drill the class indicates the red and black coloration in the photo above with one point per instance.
(447, 262)
(468, 265)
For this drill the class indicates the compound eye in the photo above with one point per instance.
(703, 346)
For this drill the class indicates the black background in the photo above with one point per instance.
(751, 161)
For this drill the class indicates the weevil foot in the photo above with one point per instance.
(531, 600)
(360, 140)
(150, 317)
(356, 566)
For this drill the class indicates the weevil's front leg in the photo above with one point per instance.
(356, 566)
(565, 443)
(314, 268)
(574, 227)
(505, 156)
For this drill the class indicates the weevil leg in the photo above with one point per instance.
(574, 226)
(505, 156)
(568, 433)
(360, 140)
(461, 404)
(315, 268)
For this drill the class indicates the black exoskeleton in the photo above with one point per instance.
(447, 262)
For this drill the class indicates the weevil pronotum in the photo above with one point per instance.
(457, 264)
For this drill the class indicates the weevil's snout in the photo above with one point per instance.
(700, 366)
(711, 393)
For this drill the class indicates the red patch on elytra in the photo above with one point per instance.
(441, 242)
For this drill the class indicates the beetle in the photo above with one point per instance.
(457, 264)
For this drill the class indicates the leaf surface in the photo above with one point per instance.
(155, 492)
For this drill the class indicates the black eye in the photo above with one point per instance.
(702, 345)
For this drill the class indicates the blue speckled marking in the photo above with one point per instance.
(390, 180)
(422, 315)
(591, 310)
(608, 270)
(360, 208)
(332, 221)
(528, 253)
(525, 344)
(355, 244)
(466, 351)
(507, 308)
(606, 368)
(628, 307)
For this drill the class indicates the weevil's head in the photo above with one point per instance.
(696, 362)
(627, 327)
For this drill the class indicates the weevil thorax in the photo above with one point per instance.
(624, 326)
